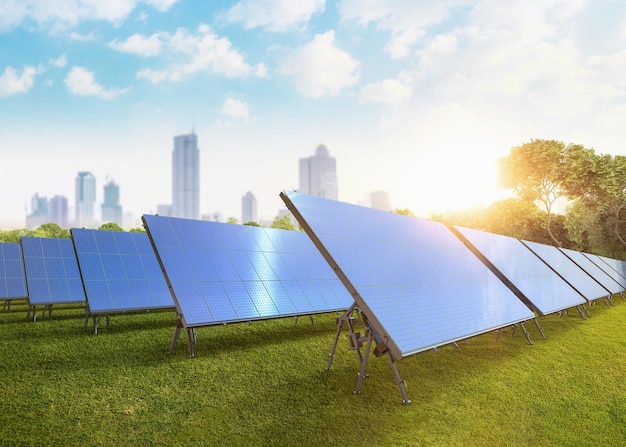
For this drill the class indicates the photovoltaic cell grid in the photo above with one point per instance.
(52, 271)
(223, 273)
(417, 284)
(546, 290)
(569, 270)
(593, 270)
(616, 264)
(120, 271)
(12, 275)
(609, 267)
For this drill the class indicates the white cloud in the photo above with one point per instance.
(140, 45)
(59, 62)
(236, 109)
(62, 13)
(401, 42)
(389, 91)
(82, 37)
(81, 82)
(319, 68)
(275, 15)
(11, 83)
(200, 52)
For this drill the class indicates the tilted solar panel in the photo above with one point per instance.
(594, 271)
(52, 271)
(120, 271)
(547, 291)
(609, 266)
(616, 264)
(414, 281)
(569, 270)
(222, 273)
(12, 274)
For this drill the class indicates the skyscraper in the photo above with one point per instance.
(380, 200)
(111, 208)
(248, 208)
(186, 177)
(318, 174)
(38, 212)
(85, 200)
(58, 211)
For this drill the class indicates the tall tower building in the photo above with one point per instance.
(248, 208)
(380, 200)
(85, 193)
(318, 174)
(38, 212)
(58, 211)
(186, 177)
(111, 208)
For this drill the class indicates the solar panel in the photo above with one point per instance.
(616, 264)
(546, 290)
(223, 273)
(120, 272)
(52, 272)
(612, 286)
(609, 267)
(416, 282)
(12, 275)
(570, 271)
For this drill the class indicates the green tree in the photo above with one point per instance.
(231, 220)
(283, 223)
(252, 224)
(110, 226)
(403, 211)
(14, 235)
(137, 230)
(52, 230)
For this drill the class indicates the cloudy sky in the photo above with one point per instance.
(417, 98)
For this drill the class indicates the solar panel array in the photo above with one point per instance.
(120, 271)
(579, 279)
(615, 264)
(12, 274)
(52, 271)
(222, 273)
(609, 267)
(417, 284)
(599, 275)
(546, 291)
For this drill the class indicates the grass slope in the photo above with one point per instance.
(265, 384)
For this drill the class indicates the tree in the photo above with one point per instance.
(252, 224)
(283, 223)
(14, 235)
(231, 220)
(51, 230)
(403, 211)
(110, 226)
(137, 230)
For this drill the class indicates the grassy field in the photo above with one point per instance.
(264, 384)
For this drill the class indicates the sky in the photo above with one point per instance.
(418, 98)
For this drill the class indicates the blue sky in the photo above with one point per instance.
(417, 98)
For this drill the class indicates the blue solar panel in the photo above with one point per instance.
(52, 271)
(222, 273)
(569, 270)
(593, 270)
(120, 271)
(609, 267)
(418, 286)
(616, 264)
(12, 275)
(546, 290)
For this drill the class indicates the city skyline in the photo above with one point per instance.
(418, 99)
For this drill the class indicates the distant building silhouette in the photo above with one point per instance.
(85, 198)
(58, 211)
(248, 208)
(318, 174)
(186, 177)
(38, 212)
(380, 200)
(111, 208)
(164, 210)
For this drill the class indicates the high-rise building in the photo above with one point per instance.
(111, 208)
(38, 212)
(248, 208)
(318, 174)
(186, 177)
(380, 200)
(58, 211)
(85, 200)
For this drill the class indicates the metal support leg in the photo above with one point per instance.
(363, 370)
(295, 322)
(401, 384)
(179, 326)
(340, 322)
(580, 311)
(191, 341)
(526, 332)
(539, 328)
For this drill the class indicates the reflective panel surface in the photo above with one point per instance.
(569, 270)
(120, 271)
(12, 275)
(594, 271)
(223, 273)
(418, 285)
(52, 271)
(546, 290)
(609, 266)
(616, 264)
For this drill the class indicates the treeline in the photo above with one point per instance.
(545, 173)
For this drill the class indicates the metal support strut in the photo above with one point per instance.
(191, 337)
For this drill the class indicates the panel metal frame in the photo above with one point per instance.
(5, 296)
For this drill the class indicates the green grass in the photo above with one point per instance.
(265, 384)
